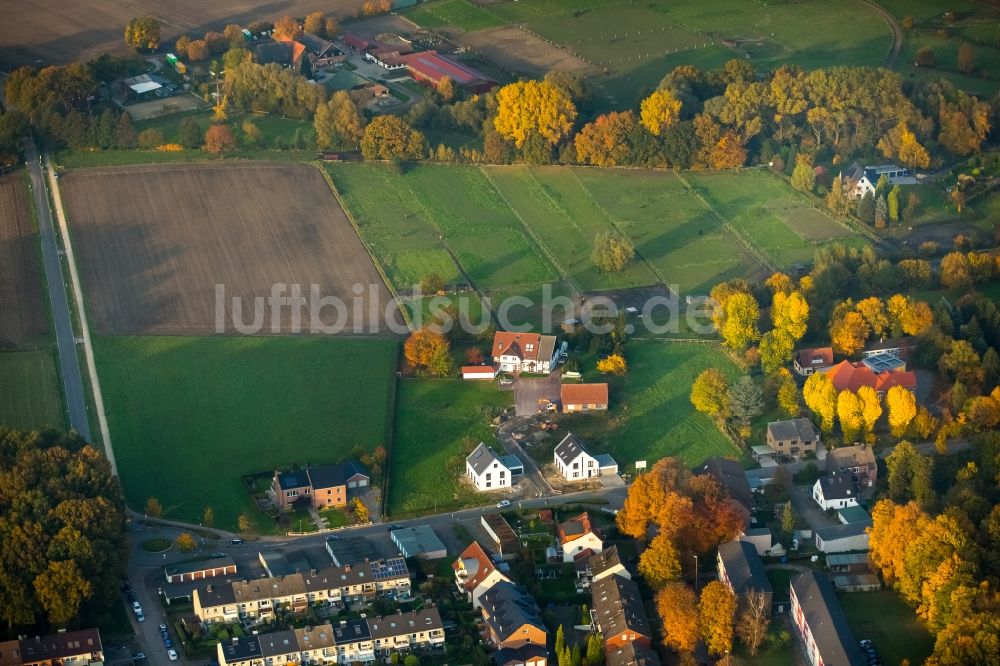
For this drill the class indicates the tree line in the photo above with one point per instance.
(62, 526)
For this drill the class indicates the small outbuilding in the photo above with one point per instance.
(483, 372)
(420, 541)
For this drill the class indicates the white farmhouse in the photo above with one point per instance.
(575, 463)
(524, 352)
(488, 471)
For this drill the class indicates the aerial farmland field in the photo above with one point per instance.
(24, 315)
(190, 415)
(155, 241)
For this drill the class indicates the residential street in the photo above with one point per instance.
(69, 365)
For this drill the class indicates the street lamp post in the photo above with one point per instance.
(696, 574)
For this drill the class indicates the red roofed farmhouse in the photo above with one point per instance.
(429, 68)
(523, 352)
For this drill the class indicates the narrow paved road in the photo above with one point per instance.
(69, 364)
(897, 33)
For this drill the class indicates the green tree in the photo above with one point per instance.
(909, 474)
(746, 400)
(61, 589)
(866, 208)
(595, 649)
(776, 350)
(143, 33)
(788, 519)
(208, 517)
(893, 203)
(612, 252)
(191, 134)
(125, 134)
(390, 137)
(803, 177)
(710, 394)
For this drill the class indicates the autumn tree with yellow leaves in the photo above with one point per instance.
(820, 396)
(716, 617)
(871, 411)
(849, 333)
(849, 414)
(710, 394)
(902, 406)
(660, 563)
(533, 107)
(659, 112)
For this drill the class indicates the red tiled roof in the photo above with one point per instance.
(822, 354)
(850, 377)
(584, 394)
(466, 369)
(516, 344)
(484, 569)
(433, 67)
(575, 527)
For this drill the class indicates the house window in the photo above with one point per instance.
(503, 473)
(576, 465)
(488, 484)
(576, 474)
(590, 463)
(489, 476)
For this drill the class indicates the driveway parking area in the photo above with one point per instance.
(527, 393)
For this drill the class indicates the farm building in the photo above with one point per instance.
(583, 397)
(835, 491)
(843, 538)
(420, 541)
(524, 352)
(200, 569)
(321, 52)
(430, 68)
(486, 471)
(575, 463)
(821, 624)
(808, 361)
(508, 545)
(483, 372)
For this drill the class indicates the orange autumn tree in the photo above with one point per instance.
(219, 139)
(425, 348)
(648, 493)
(678, 608)
(604, 142)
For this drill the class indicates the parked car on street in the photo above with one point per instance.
(172, 654)
(503, 503)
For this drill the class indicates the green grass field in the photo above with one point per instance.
(30, 385)
(890, 624)
(190, 416)
(512, 229)
(639, 42)
(766, 210)
(651, 413)
(438, 421)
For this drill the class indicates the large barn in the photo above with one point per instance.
(429, 68)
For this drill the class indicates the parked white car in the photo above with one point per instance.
(172, 654)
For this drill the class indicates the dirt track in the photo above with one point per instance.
(153, 243)
(23, 317)
(55, 31)
(518, 51)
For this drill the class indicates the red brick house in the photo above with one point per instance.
(325, 486)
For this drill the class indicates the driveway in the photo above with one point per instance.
(527, 393)
(803, 504)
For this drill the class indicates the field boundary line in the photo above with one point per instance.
(364, 243)
(611, 222)
(846, 222)
(390, 437)
(564, 274)
(88, 347)
(758, 254)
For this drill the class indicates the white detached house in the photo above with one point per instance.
(835, 491)
(486, 470)
(575, 463)
(524, 352)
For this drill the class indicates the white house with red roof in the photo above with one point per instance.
(524, 352)
(475, 572)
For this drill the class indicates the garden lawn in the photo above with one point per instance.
(651, 413)
(883, 618)
(672, 230)
(32, 397)
(190, 416)
(438, 422)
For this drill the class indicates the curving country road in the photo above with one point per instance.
(69, 364)
(897, 33)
